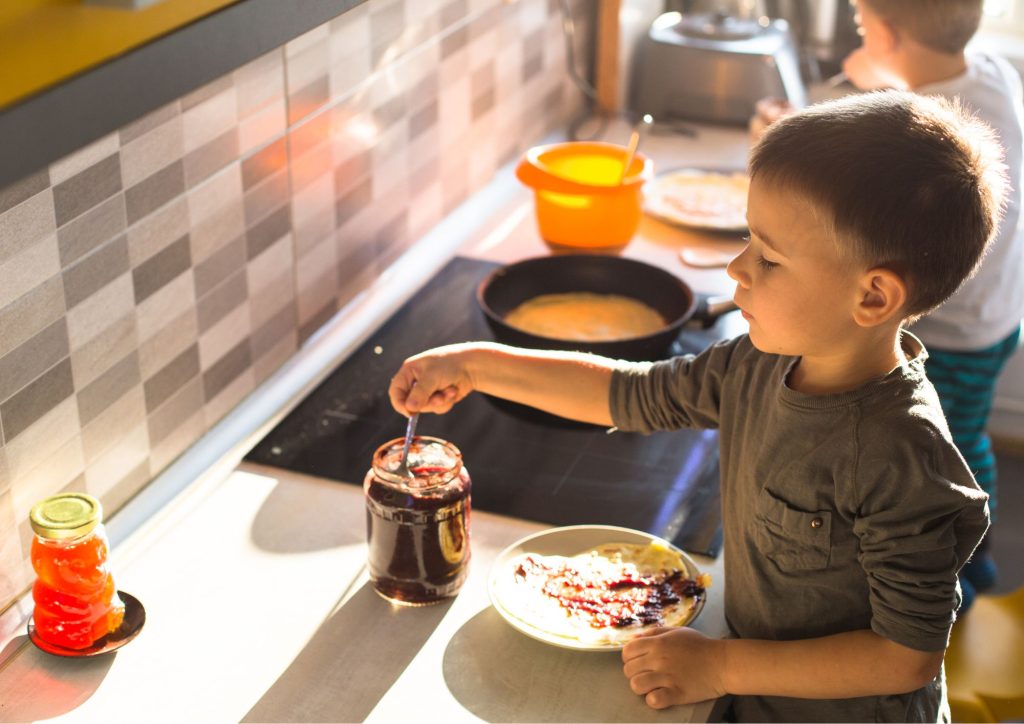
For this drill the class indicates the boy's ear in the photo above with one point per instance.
(882, 294)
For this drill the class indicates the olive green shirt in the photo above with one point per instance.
(841, 512)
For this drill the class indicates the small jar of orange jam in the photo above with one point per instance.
(76, 601)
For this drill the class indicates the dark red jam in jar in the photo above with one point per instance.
(417, 526)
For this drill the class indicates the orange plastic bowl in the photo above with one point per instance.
(578, 198)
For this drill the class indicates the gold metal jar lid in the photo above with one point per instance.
(65, 516)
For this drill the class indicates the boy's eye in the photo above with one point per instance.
(765, 264)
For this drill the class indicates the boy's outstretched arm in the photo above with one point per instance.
(682, 666)
(569, 384)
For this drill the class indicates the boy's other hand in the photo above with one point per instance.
(671, 666)
(866, 74)
(432, 381)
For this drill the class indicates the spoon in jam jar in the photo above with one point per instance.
(410, 432)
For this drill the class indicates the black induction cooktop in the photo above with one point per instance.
(523, 463)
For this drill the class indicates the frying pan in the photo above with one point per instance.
(508, 286)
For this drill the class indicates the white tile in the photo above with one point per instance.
(454, 111)
(126, 414)
(165, 305)
(308, 64)
(219, 339)
(260, 84)
(42, 438)
(107, 470)
(28, 269)
(176, 443)
(75, 163)
(219, 191)
(23, 225)
(167, 342)
(262, 126)
(307, 40)
(48, 477)
(152, 151)
(100, 310)
(212, 118)
(266, 267)
(229, 397)
(157, 230)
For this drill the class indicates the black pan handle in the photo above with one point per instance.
(710, 307)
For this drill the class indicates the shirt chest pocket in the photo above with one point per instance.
(794, 539)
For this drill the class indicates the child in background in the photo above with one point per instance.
(919, 45)
(847, 510)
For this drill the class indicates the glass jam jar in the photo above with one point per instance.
(417, 527)
(76, 601)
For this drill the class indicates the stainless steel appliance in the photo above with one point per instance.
(714, 67)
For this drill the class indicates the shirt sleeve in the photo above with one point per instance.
(683, 391)
(920, 515)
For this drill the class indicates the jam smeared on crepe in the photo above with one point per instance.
(601, 600)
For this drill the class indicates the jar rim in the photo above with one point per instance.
(424, 482)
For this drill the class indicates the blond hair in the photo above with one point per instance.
(902, 181)
(942, 25)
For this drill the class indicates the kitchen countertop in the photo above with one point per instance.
(257, 600)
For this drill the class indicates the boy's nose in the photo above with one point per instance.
(735, 270)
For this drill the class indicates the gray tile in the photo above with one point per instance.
(308, 100)
(424, 92)
(84, 190)
(93, 272)
(273, 330)
(22, 365)
(392, 239)
(266, 232)
(454, 41)
(109, 387)
(389, 113)
(482, 103)
(148, 122)
(273, 193)
(35, 400)
(533, 54)
(225, 370)
(180, 406)
(311, 325)
(160, 387)
(353, 202)
(350, 172)
(427, 173)
(215, 305)
(454, 12)
(264, 163)
(96, 226)
(149, 195)
(211, 157)
(14, 194)
(31, 313)
(423, 120)
(151, 276)
(219, 266)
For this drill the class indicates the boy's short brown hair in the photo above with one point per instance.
(942, 25)
(901, 181)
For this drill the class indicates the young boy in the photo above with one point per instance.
(847, 510)
(919, 45)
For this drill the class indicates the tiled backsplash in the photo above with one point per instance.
(151, 280)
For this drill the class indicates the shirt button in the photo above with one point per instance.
(816, 522)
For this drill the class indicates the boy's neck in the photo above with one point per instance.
(922, 66)
(871, 358)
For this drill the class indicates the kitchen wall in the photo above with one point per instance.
(151, 280)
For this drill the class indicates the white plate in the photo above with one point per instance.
(570, 541)
(701, 199)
